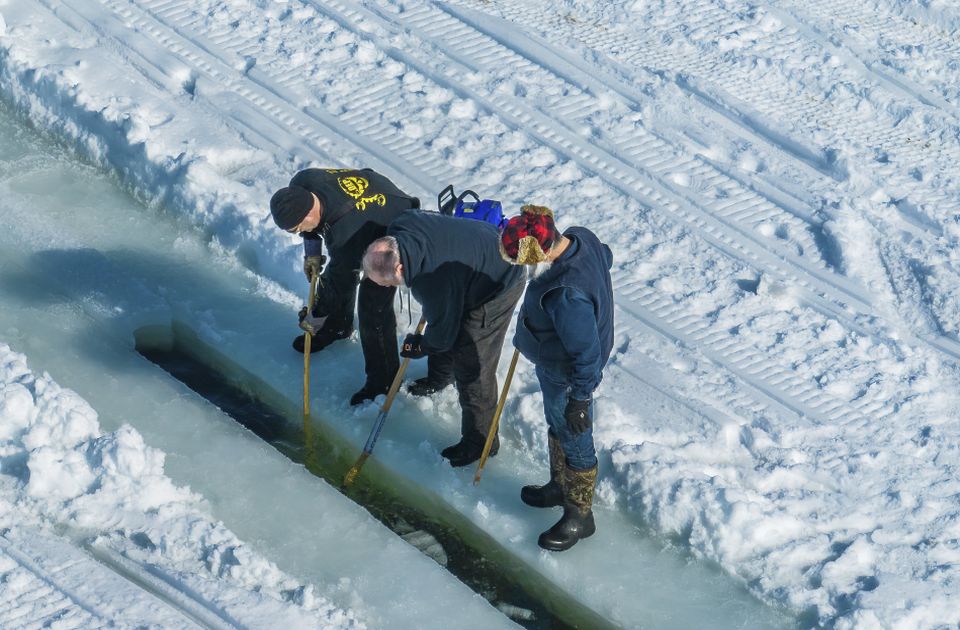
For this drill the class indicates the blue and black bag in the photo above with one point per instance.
(469, 205)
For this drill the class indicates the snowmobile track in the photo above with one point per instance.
(876, 130)
(826, 21)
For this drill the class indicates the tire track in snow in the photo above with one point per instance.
(271, 89)
(575, 100)
(840, 26)
(42, 582)
(707, 71)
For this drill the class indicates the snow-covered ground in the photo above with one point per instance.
(777, 181)
(68, 486)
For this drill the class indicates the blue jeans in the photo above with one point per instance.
(578, 447)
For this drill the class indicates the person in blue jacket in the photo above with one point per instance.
(565, 328)
(468, 294)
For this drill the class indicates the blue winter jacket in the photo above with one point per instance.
(565, 325)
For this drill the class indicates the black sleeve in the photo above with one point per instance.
(443, 311)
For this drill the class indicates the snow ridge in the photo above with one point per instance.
(160, 559)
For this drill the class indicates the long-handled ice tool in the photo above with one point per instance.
(378, 424)
(492, 433)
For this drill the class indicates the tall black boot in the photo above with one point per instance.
(577, 521)
(551, 493)
(323, 338)
(379, 362)
(378, 340)
(439, 375)
(467, 451)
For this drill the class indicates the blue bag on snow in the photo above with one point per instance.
(469, 205)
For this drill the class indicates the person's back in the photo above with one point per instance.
(352, 199)
(468, 293)
(585, 267)
(451, 266)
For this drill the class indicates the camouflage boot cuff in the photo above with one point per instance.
(578, 487)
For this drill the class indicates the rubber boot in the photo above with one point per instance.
(426, 386)
(577, 521)
(369, 391)
(466, 451)
(322, 339)
(551, 493)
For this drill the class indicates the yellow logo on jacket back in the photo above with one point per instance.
(356, 187)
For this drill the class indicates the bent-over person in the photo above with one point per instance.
(468, 292)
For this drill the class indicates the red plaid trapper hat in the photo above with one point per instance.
(526, 238)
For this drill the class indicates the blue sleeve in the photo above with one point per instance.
(312, 244)
(576, 324)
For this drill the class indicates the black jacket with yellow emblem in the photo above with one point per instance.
(358, 205)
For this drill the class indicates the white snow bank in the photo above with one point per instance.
(109, 491)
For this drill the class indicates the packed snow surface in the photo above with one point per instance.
(777, 181)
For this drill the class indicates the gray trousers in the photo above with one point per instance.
(475, 357)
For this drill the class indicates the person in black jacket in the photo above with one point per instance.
(565, 328)
(468, 293)
(349, 209)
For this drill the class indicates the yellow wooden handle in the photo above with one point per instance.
(492, 433)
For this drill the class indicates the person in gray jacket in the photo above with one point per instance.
(468, 293)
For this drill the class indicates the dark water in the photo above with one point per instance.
(472, 556)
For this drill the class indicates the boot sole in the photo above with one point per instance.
(564, 548)
(539, 504)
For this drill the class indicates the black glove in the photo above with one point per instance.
(313, 266)
(413, 347)
(577, 414)
(310, 322)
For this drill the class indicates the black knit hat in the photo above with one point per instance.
(290, 205)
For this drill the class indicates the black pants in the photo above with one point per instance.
(378, 333)
(440, 367)
(475, 357)
(378, 330)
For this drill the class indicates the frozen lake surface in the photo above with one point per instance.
(87, 271)
(777, 182)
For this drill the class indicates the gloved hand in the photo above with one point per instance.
(412, 347)
(313, 266)
(577, 415)
(309, 322)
